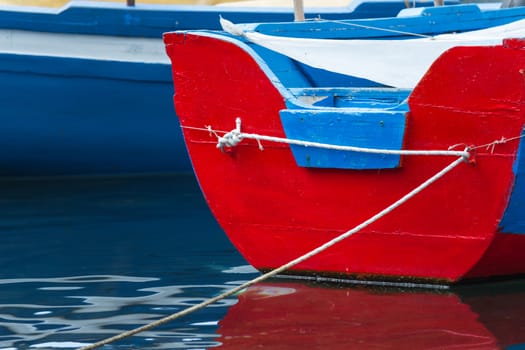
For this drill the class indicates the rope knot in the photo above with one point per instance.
(492, 145)
(229, 139)
(232, 138)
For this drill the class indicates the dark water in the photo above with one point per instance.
(83, 259)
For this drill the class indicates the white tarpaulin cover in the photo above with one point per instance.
(398, 63)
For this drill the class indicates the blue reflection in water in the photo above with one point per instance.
(82, 259)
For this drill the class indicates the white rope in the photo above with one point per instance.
(284, 267)
(236, 30)
(381, 29)
(492, 145)
(232, 138)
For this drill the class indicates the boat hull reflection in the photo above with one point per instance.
(287, 315)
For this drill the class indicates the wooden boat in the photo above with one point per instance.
(300, 167)
(287, 315)
(86, 88)
(60, 3)
(151, 20)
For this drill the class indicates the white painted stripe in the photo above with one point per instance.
(398, 63)
(97, 47)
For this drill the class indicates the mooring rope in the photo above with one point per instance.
(233, 137)
(382, 213)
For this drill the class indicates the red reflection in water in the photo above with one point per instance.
(300, 316)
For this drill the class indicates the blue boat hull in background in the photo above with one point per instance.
(65, 116)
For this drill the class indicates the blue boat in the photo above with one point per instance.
(87, 89)
(151, 20)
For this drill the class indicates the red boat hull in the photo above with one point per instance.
(274, 211)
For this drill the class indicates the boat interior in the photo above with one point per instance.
(379, 97)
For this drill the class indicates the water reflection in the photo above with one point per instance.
(82, 259)
(72, 311)
(286, 315)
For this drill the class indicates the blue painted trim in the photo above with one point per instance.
(429, 21)
(361, 128)
(152, 20)
(513, 220)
